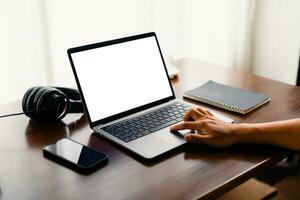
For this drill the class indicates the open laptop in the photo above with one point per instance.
(127, 95)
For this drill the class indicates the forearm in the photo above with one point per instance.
(281, 133)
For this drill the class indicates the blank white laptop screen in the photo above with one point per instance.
(120, 77)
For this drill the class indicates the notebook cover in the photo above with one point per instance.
(227, 97)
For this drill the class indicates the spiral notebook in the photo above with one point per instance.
(227, 97)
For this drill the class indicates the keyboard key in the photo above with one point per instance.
(178, 120)
(146, 133)
(126, 140)
(127, 135)
(133, 137)
(134, 128)
(162, 126)
(117, 134)
(139, 135)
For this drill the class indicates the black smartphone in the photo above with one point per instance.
(75, 155)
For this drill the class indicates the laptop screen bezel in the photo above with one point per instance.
(124, 113)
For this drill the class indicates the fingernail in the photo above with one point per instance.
(187, 137)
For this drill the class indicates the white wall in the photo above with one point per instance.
(22, 52)
(204, 29)
(276, 39)
(35, 35)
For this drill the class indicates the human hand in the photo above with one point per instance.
(209, 130)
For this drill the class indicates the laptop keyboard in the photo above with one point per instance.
(150, 122)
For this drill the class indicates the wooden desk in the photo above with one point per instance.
(188, 173)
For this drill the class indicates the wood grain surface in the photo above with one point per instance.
(190, 172)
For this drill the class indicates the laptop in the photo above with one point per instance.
(127, 95)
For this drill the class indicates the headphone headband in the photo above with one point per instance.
(75, 105)
(70, 92)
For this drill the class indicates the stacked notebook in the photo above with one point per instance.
(227, 97)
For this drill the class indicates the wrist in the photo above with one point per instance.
(242, 132)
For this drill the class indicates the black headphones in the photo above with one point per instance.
(51, 104)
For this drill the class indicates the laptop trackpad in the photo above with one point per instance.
(169, 137)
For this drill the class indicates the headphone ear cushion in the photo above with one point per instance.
(28, 101)
(36, 99)
(39, 96)
(59, 106)
(51, 104)
(46, 103)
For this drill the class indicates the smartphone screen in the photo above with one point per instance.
(75, 153)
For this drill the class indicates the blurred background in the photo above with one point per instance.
(259, 36)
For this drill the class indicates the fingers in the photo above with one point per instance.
(197, 138)
(204, 111)
(197, 114)
(209, 113)
(187, 125)
(192, 115)
(208, 139)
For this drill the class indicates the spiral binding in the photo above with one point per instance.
(214, 102)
